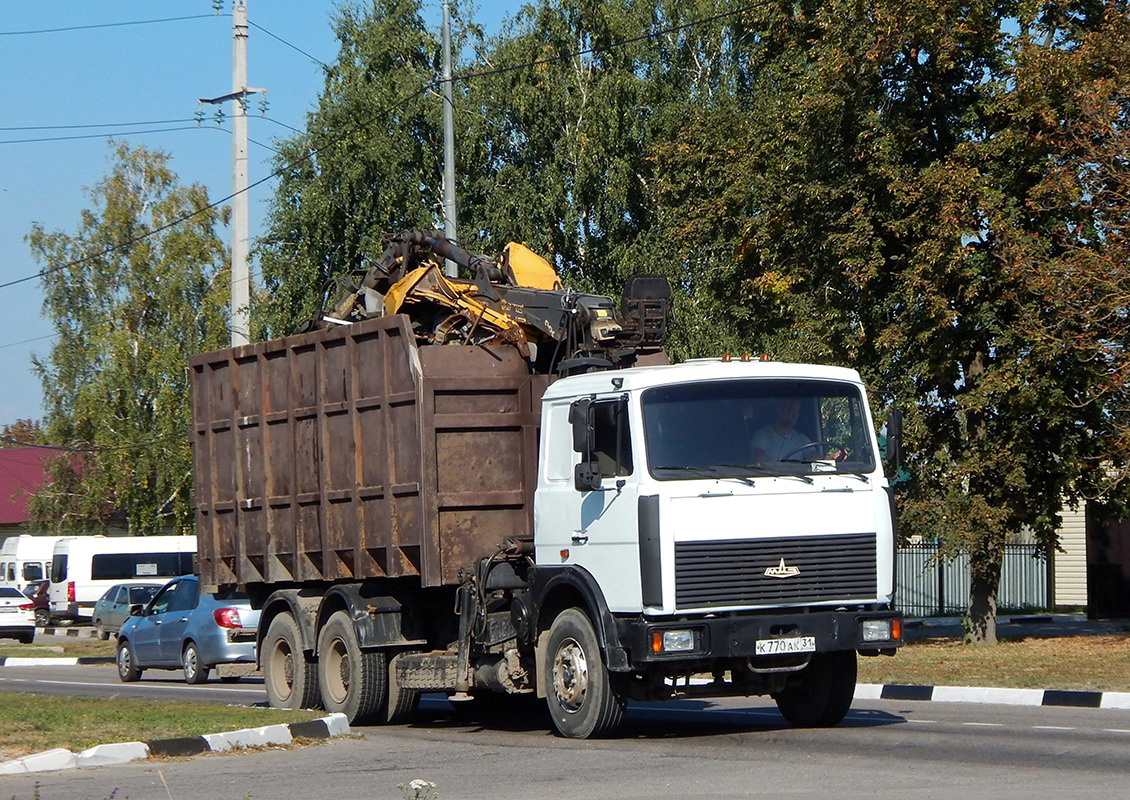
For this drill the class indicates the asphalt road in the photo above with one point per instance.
(692, 749)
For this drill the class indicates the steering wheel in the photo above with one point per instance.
(820, 444)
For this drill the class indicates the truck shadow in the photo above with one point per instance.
(682, 719)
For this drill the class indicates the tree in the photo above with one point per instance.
(128, 305)
(929, 195)
(368, 163)
(21, 433)
(876, 182)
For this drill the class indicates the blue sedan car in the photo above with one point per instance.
(181, 628)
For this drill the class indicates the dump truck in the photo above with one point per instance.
(492, 487)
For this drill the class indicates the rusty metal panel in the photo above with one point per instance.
(348, 454)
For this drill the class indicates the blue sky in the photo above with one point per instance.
(102, 77)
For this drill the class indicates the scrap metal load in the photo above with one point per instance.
(516, 300)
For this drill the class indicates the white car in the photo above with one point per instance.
(17, 617)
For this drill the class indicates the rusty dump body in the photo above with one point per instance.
(350, 453)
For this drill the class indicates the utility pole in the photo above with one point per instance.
(449, 224)
(240, 279)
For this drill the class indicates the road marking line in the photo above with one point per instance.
(924, 721)
(1053, 728)
(984, 724)
(147, 686)
(1115, 730)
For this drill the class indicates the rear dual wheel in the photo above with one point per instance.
(290, 680)
(359, 683)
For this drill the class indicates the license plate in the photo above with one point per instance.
(792, 644)
(7, 609)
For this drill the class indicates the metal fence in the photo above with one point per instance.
(928, 585)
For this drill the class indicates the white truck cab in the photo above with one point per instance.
(723, 508)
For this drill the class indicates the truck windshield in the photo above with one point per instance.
(746, 428)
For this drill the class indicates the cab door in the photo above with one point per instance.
(595, 527)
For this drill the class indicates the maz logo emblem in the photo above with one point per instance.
(781, 571)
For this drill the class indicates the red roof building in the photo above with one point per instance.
(21, 474)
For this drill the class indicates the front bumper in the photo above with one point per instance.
(736, 635)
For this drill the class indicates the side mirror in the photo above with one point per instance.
(586, 476)
(137, 610)
(580, 417)
(894, 439)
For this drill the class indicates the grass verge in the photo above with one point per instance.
(1098, 663)
(58, 646)
(31, 723)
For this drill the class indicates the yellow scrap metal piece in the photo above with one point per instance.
(429, 283)
(528, 268)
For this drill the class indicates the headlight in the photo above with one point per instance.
(672, 641)
(877, 630)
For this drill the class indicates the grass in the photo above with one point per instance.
(31, 723)
(1071, 662)
(71, 646)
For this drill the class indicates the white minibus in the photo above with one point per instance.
(84, 567)
(25, 559)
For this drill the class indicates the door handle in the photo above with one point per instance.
(580, 537)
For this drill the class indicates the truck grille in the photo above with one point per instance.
(732, 572)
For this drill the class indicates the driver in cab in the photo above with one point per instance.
(780, 439)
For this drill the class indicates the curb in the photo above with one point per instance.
(1011, 697)
(85, 632)
(59, 661)
(123, 752)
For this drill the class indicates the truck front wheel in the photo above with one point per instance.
(582, 696)
(291, 681)
(820, 695)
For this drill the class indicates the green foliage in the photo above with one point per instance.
(377, 166)
(127, 311)
(928, 194)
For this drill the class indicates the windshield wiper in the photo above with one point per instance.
(776, 473)
(837, 471)
(761, 469)
(712, 472)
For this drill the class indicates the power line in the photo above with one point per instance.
(107, 25)
(29, 341)
(623, 43)
(95, 135)
(96, 125)
(185, 217)
(315, 151)
(91, 448)
(288, 44)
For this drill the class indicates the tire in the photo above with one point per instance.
(352, 681)
(195, 671)
(290, 680)
(101, 632)
(27, 638)
(402, 703)
(584, 699)
(128, 672)
(42, 618)
(820, 695)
